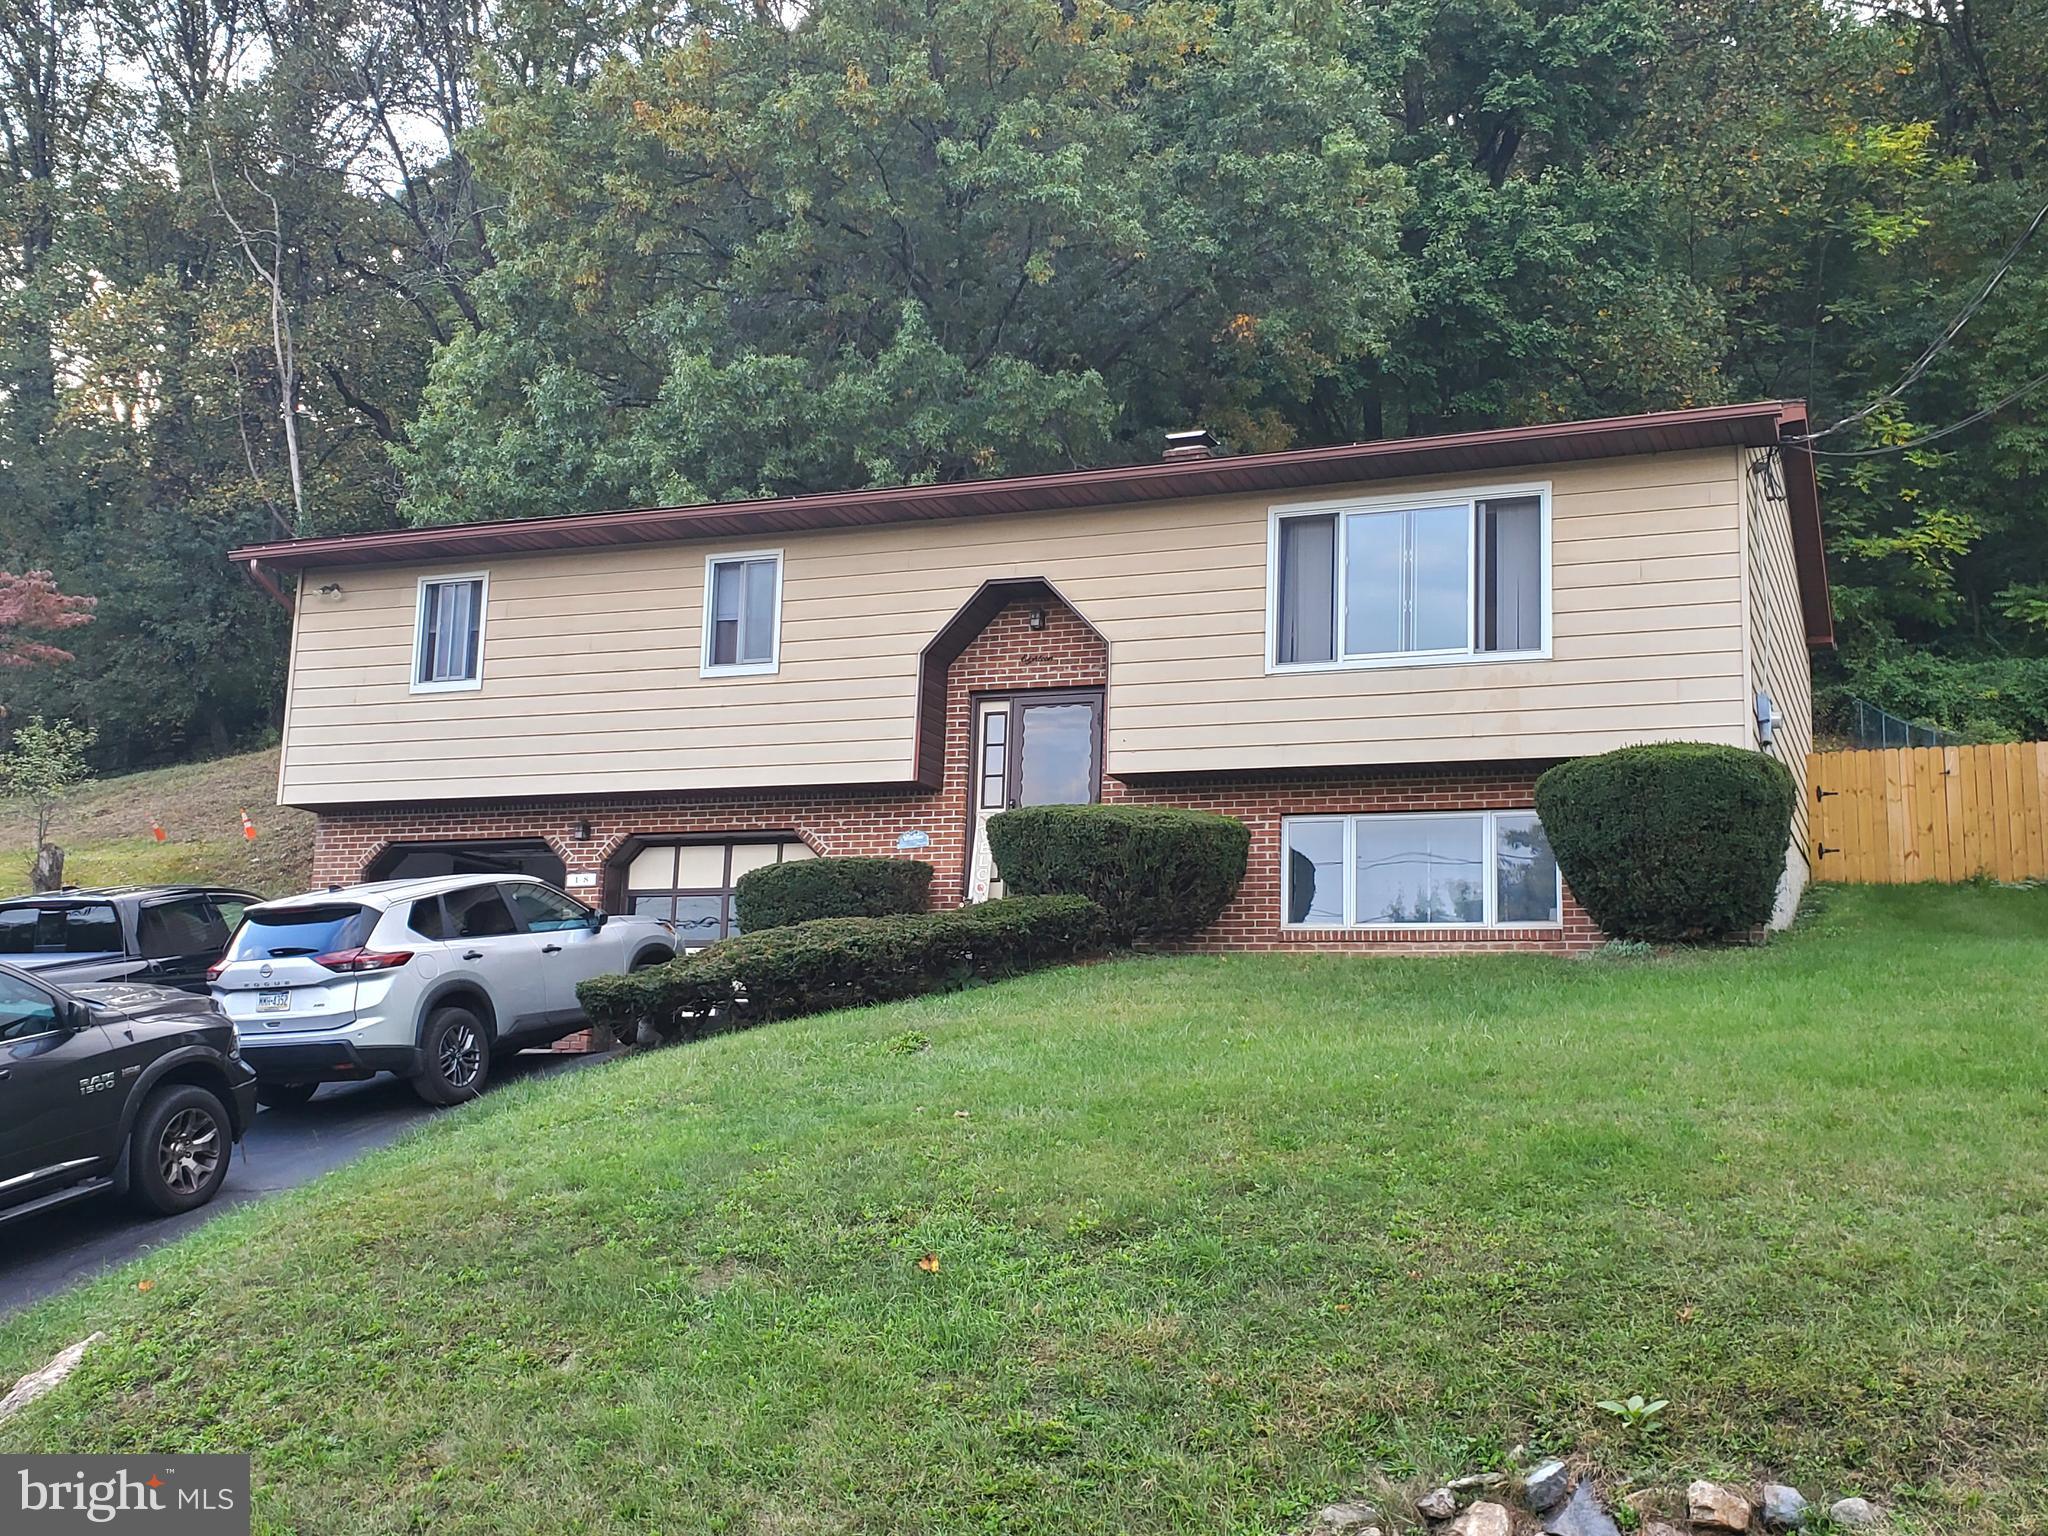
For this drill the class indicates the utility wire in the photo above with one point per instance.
(1928, 437)
(1936, 347)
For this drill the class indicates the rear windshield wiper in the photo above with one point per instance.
(289, 953)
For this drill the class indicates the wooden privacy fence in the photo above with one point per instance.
(1906, 814)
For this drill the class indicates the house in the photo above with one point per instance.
(1367, 653)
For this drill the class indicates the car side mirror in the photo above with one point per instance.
(72, 1016)
(598, 920)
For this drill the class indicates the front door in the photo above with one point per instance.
(1030, 749)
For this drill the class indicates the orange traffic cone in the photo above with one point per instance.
(248, 827)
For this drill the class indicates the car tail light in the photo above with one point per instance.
(363, 959)
(213, 971)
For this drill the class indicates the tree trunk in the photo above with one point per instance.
(47, 873)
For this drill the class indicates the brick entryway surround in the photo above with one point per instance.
(1007, 656)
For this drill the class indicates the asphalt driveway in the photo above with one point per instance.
(42, 1255)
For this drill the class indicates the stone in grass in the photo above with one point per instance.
(1581, 1515)
(1855, 1514)
(1437, 1504)
(1546, 1485)
(1343, 1519)
(1484, 1519)
(1784, 1507)
(1715, 1507)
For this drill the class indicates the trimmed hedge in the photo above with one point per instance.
(1159, 872)
(807, 889)
(1678, 841)
(843, 962)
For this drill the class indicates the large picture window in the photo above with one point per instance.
(1366, 583)
(1452, 869)
(448, 642)
(742, 612)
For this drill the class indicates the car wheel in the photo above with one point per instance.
(650, 960)
(455, 1057)
(285, 1095)
(178, 1154)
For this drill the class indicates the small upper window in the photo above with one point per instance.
(449, 652)
(1437, 580)
(743, 613)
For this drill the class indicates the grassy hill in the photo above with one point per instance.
(1168, 1245)
(104, 829)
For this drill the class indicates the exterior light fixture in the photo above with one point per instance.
(1035, 619)
(582, 831)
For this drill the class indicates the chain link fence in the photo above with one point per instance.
(1870, 726)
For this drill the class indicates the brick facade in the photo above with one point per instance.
(1008, 656)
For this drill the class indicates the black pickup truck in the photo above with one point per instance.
(164, 934)
(118, 1087)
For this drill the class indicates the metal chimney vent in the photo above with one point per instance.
(1194, 443)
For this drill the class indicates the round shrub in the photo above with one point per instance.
(1682, 840)
(804, 890)
(1159, 873)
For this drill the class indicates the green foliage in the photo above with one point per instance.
(1993, 698)
(43, 763)
(844, 962)
(1676, 841)
(1159, 872)
(881, 244)
(1636, 1412)
(805, 889)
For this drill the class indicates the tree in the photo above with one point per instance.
(879, 243)
(43, 764)
(30, 604)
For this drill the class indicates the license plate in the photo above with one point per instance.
(273, 1002)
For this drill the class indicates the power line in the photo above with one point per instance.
(1936, 347)
(1940, 432)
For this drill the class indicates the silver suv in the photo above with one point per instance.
(427, 979)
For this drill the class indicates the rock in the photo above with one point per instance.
(1784, 1507)
(36, 1383)
(1546, 1485)
(1333, 1519)
(1713, 1506)
(1437, 1504)
(1661, 1528)
(1484, 1519)
(1581, 1516)
(1476, 1480)
(1855, 1514)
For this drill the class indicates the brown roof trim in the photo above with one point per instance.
(1759, 424)
(1809, 555)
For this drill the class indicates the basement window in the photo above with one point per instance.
(1445, 869)
(448, 642)
(1399, 582)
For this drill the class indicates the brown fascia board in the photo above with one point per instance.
(1756, 425)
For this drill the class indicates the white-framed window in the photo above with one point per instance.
(1423, 869)
(448, 633)
(743, 612)
(1399, 581)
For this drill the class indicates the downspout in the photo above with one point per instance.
(253, 569)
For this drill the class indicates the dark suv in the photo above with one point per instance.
(164, 934)
(117, 1086)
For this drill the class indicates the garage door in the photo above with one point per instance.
(691, 883)
(415, 861)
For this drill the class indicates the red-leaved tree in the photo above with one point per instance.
(30, 604)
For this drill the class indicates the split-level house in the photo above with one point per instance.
(1366, 653)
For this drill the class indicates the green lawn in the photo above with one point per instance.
(104, 829)
(1217, 1240)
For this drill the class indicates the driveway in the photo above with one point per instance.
(42, 1255)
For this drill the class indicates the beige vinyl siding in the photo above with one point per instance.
(591, 658)
(1779, 661)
